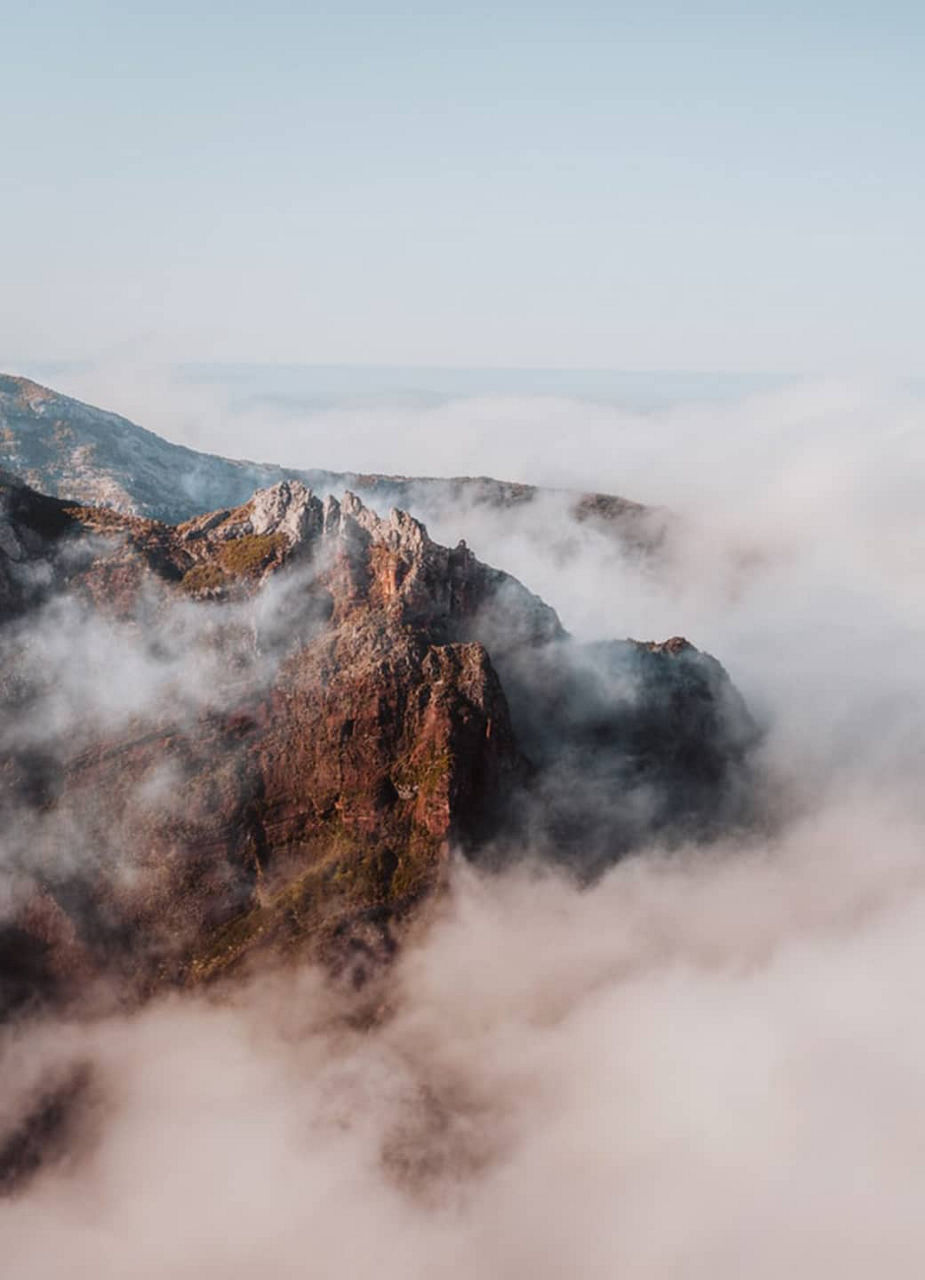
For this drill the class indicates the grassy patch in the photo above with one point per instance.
(248, 555)
(203, 577)
(244, 557)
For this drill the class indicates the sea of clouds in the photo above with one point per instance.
(711, 1063)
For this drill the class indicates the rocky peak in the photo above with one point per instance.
(393, 699)
(399, 531)
(292, 509)
(364, 559)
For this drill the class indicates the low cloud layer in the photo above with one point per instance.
(710, 1063)
(710, 1066)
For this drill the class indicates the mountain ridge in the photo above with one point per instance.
(68, 448)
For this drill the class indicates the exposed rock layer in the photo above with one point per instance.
(378, 701)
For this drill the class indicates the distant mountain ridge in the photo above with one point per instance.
(69, 449)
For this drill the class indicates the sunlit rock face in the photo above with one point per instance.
(302, 709)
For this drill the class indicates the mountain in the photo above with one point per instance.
(265, 731)
(68, 449)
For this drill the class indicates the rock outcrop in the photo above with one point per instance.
(336, 703)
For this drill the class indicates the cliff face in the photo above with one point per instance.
(336, 702)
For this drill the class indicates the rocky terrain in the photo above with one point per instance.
(68, 449)
(308, 709)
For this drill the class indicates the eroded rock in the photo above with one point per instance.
(348, 703)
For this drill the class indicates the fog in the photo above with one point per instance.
(709, 1064)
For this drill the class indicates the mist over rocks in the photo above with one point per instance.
(632, 742)
(264, 730)
(264, 737)
(704, 1060)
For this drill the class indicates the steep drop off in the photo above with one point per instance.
(336, 703)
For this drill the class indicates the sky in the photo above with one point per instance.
(649, 186)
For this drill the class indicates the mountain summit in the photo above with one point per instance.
(267, 728)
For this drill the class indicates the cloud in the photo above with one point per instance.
(709, 1063)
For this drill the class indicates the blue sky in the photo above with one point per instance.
(653, 186)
